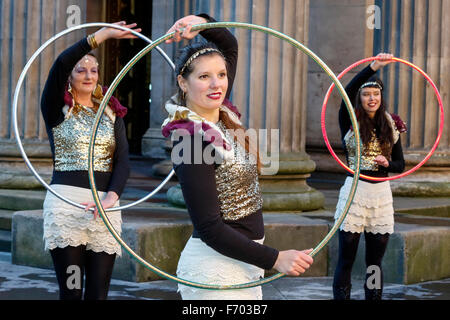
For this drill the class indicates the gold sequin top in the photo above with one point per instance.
(237, 182)
(71, 140)
(370, 150)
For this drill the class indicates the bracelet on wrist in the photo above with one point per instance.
(92, 42)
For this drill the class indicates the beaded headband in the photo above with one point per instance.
(371, 84)
(195, 56)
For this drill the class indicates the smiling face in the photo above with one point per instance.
(206, 85)
(370, 100)
(84, 76)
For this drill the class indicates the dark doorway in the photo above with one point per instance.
(133, 91)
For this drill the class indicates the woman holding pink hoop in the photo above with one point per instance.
(372, 211)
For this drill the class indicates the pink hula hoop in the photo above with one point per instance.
(441, 125)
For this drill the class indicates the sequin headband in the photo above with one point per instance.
(371, 84)
(195, 55)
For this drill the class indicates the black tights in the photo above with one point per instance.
(97, 266)
(348, 245)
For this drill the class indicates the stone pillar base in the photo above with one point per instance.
(162, 168)
(287, 191)
(154, 144)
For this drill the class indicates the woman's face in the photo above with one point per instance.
(84, 76)
(370, 100)
(206, 85)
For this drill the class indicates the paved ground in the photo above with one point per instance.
(27, 283)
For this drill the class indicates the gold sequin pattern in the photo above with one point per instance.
(370, 150)
(71, 140)
(237, 182)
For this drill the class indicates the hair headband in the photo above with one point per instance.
(371, 84)
(195, 56)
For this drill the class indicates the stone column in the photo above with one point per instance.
(25, 25)
(162, 81)
(417, 31)
(285, 108)
(414, 30)
(339, 35)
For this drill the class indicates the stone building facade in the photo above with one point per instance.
(277, 87)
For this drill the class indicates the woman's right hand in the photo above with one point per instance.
(293, 262)
(385, 59)
(113, 33)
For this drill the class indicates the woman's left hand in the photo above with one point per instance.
(108, 202)
(382, 161)
(186, 23)
(113, 33)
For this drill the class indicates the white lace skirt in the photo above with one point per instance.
(200, 263)
(371, 210)
(66, 225)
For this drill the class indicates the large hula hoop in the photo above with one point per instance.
(120, 76)
(438, 138)
(16, 99)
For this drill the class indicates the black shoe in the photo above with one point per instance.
(373, 294)
(342, 293)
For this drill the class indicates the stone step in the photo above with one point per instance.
(424, 206)
(435, 210)
(11, 199)
(5, 219)
(5, 241)
(159, 233)
(19, 200)
(417, 251)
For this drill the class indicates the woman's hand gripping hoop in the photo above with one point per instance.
(119, 78)
(438, 138)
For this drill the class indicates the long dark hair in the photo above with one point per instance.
(183, 55)
(379, 121)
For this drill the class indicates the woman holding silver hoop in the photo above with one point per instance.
(78, 240)
(372, 211)
(223, 196)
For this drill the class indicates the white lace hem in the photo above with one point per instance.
(200, 263)
(371, 210)
(66, 225)
(51, 244)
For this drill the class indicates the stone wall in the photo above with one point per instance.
(414, 30)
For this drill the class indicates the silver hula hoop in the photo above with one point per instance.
(119, 78)
(16, 99)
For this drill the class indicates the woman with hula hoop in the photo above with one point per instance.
(79, 243)
(372, 210)
(222, 193)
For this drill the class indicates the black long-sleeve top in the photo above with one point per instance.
(397, 162)
(52, 103)
(198, 183)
